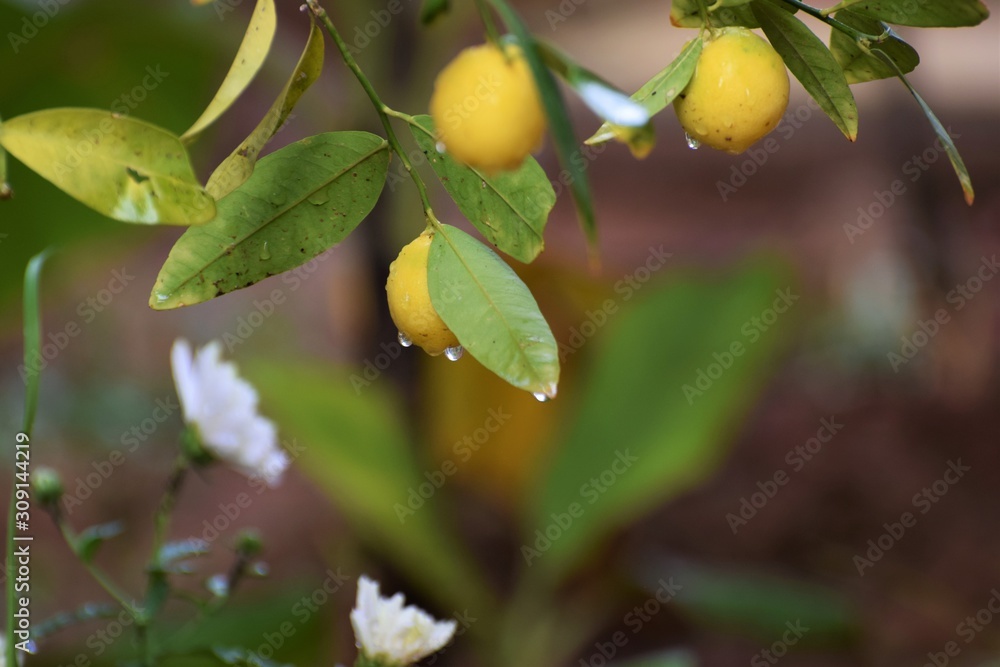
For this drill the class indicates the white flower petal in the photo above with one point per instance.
(222, 407)
(392, 632)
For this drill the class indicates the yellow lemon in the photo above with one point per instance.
(410, 300)
(486, 108)
(738, 93)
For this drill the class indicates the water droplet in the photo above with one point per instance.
(547, 394)
(218, 585)
(403, 339)
(454, 353)
(541, 397)
(440, 147)
(728, 122)
(161, 297)
(260, 569)
(265, 252)
(319, 198)
(671, 92)
(692, 143)
(484, 185)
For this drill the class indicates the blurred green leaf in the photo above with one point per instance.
(645, 415)
(509, 208)
(432, 9)
(299, 202)
(603, 98)
(89, 541)
(665, 659)
(492, 312)
(32, 313)
(923, 14)
(357, 451)
(811, 62)
(181, 550)
(939, 129)
(236, 169)
(758, 605)
(249, 59)
(121, 167)
(656, 94)
(570, 156)
(860, 66)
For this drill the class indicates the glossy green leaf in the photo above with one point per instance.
(939, 129)
(89, 541)
(356, 450)
(236, 168)
(665, 659)
(860, 65)
(432, 9)
(688, 13)
(811, 62)
(922, 13)
(121, 167)
(492, 312)
(249, 59)
(509, 208)
(659, 91)
(757, 605)
(571, 158)
(648, 427)
(299, 202)
(603, 98)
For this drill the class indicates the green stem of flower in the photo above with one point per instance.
(95, 572)
(164, 512)
(381, 109)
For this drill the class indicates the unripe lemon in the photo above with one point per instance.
(738, 93)
(486, 108)
(410, 301)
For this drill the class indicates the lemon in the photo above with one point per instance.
(410, 301)
(486, 108)
(738, 93)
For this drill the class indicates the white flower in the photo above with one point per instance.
(391, 633)
(222, 408)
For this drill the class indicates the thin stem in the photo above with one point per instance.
(381, 109)
(97, 573)
(488, 21)
(167, 502)
(856, 35)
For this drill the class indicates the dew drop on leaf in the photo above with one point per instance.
(319, 198)
(541, 397)
(403, 339)
(265, 252)
(692, 143)
(454, 353)
(440, 147)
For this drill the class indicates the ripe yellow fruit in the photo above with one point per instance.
(486, 108)
(410, 300)
(738, 93)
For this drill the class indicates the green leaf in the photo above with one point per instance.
(659, 91)
(5, 191)
(491, 312)
(32, 338)
(87, 542)
(640, 418)
(236, 169)
(432, 9)
(603, 98)
(922, 13)
(181, 550)
(299, 202)
(358, 452)
(860, 66)
(812, 64)
(688, 13)
(757, 605)
(121, 167)
(509, 208)
(249, 59)
(572, 159)
(942, 133)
